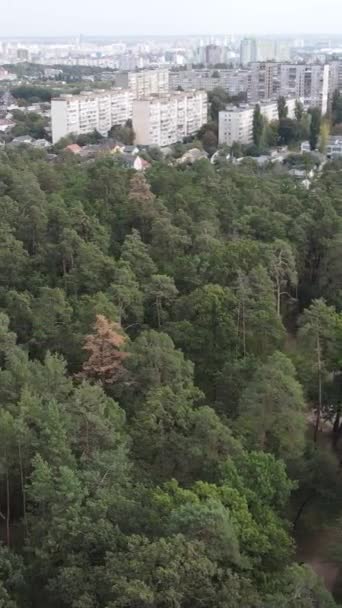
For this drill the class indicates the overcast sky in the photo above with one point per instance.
(64, 17)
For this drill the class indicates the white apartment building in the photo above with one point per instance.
(309, 82)
(167, 119)
(145, 83)
(80, 114)
(236, 123)
(121, 106)
(89, 111)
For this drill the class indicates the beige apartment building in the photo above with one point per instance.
(167, 119)
(89, 111)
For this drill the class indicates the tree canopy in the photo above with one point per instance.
(170, 349)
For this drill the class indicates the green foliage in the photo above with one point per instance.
(288, 130)
(89, 138)
(272, 411)
(123, 134)
(299, 110)
(258, 126)
(315, 126)
(282, 108)
(179, 481)
(336, 107)
(29, 123)
(218, 99)
(33, 93)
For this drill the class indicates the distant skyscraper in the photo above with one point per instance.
(282, 51)
(212, 54)
(22, 54)
(265, 50)
(248, 51)
(262, 49)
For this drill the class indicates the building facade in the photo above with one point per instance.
(236, 123)
(334, 147)
(234, 81)
(121, 106)
(264, 81)
(248, 51)
(307, 81)
(263, 49)
(89, 111)
(335, 77)
(167, 119)
(212, 54)
(145, 83)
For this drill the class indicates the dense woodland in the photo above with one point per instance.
(170, 347)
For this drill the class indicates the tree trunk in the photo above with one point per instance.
(301, 509)
(158, 307)
(319, 405)
(278, 295)
(337, 427)
(244, 327)
(22, 483)
(8, 510)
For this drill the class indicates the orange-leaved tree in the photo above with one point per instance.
(105, 355)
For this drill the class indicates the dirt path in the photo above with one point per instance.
(313, 550)
(327, 571)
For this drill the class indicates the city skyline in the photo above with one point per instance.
(179, 19)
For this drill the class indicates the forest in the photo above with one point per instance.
(170, 384)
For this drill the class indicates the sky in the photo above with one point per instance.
(160, 17)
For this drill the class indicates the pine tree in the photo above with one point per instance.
(105, 357)
(258, 126)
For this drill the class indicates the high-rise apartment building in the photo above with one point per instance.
(166, 119)
(144, 83)
(307, 81)
(236, 123)
(263, 49)
(282, 51)
(335, 77)
(89, 111)
(121, 106)
(264, 81)
(248, 51)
